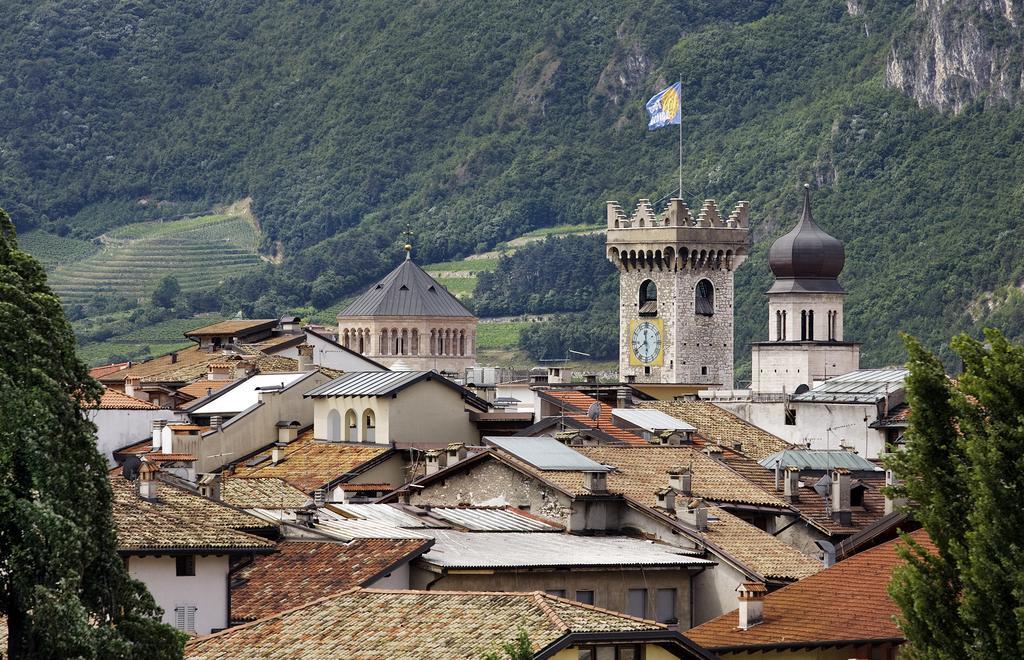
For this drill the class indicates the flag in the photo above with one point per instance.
(666, 107)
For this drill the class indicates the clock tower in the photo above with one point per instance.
(676, 291)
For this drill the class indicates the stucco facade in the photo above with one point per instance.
(117, 428)
(443, 344)
(206, 591)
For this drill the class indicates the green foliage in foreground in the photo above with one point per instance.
(63, 589)
(519, 649)
(963, 470)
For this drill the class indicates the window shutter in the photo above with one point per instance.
(190, 618)
(179, 617)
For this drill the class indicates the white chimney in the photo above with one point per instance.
(131, 384)
(791, 485)
(158, 429)
(694, 514)
(209, 486)
(841, 496)
(306, 357)
(714, 451)
(751, 601)
(435, 461)
(287, 431)
(667, 499)
(596, 482)
(148, 481)
(893, 504)
(456, 452)
(681, 479)
(277, 453)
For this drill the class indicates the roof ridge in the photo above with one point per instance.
(538, 599)
(602, 610)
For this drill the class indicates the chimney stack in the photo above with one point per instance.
(791, 486)
(623, 398)
(306, 357)
(667, 499)
(841, 496)
(751, 602)
(287, 431)
(216, 422)
(158, 432)
(131, 384)
(209, 486)
(148, 480)
(277, 453)
(893, 504)
(456, 452)
(596, 482)
(435, 461)
(714, 452)
(681, 479)
(566, 437)
(694, 514)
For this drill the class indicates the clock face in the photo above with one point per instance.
(646, 342)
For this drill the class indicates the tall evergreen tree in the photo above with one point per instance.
(63, 589)
(963, 468)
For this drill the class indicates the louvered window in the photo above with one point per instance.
(185, 618)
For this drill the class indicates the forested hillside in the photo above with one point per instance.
(469, 123)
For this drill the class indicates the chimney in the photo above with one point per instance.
(131, 384)
(306, 357)
(596, 482)
(148, 481)
(435, 461)
(791, 486)
(287, 431)
(666, 499)
(566, 437)
(695, 515)
(277, 453)
(456, 452)
(623, 398)
(751, 602)
(216, 422)
(174, 358)
(714, 452)
(158, 432)
(893, 504)
(218, 371)
(209, 486)
(841, 496)
(681, 479)
(304, 517)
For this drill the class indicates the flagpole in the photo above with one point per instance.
(680, 137)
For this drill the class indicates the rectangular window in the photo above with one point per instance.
(185, 618)
(790, 417)
(585, 596)
(636, 603)
(555, 592)
(185, 566)
(665, 606)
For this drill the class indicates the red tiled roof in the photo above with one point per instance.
(114, 400)
(575, 404)
(847, 602)
(301, 571)
(99, 372)
(201, 388)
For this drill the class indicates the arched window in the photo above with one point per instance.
(648, 301)
(362, 347)
(415, 341)
(784, 324)
(433, 341)
(810, 325)
(384, 342)
(462, 342)
(704, 298)
(803, 325)
(334, 426)
(369, 426)
(344, 338)
(351, 426)
(778, 325)
(405, 341)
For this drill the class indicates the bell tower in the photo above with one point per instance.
(676, 290)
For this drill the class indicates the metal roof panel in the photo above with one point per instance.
(545, 453)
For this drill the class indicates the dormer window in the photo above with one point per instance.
(648, 301)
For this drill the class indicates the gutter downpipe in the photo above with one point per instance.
(443, 574)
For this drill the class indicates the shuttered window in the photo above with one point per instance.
(185, 618)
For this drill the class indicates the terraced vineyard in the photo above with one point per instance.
(199, 252)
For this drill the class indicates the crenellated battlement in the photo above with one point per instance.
(675, 239)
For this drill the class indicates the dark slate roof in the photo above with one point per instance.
(806, 259)
(407, 291)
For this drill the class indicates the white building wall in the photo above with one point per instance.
(207, 589)
(778, 368)
(396, 579)
(119, 428)
(795, 303)
(328, 355)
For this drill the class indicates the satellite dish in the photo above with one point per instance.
(594, 411)
(130, 467)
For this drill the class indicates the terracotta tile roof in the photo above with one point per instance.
(898, 417)
(179, 502)
(309, 464)
(301, 571)
(365, 624)
(720, 425)
(641, 471)
(202, 387)
(99, 372)
(355, 488)
(758, 549)
(261, 493)
(575, 404)
(278, 342)
(157, 365)
(145, 527)
(813, 507)
(114, 400)
(232, 328)
(846, 602)
(164, 458)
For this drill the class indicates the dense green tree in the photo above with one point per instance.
(963, 468)
(521, 648)
(166, 292)
(63, 589)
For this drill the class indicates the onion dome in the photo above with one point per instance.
(806, 260)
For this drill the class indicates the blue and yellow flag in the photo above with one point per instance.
(666, 107)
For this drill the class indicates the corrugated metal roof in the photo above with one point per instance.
(382, 513)
(368, 383)
(819, 459)
(861, 386)
(494, 550)
(545, 453)
(652, 420)
(491, 520)
(407, 291)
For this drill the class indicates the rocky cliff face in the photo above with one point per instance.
(958, 51)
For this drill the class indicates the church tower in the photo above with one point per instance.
(805, 312)
(676, 291)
